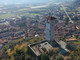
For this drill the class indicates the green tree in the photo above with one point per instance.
(52, 52)
(44, 57)
(19, 53)
(59, 57)
(23, 18)
(75, 55)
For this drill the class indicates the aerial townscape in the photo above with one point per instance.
(40, 30)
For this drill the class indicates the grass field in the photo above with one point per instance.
(62, 8)
(78, 10)
(7, 16)
(22, 9)
(21, 12)
(13, 15)
(77, 43)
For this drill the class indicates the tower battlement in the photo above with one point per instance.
(50, 18)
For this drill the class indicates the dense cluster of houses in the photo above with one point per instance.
(16, 28)
(62, 30)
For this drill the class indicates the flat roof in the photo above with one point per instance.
(63, 45)
(40, 47)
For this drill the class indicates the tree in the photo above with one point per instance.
(75, 55)
(59, 57)
(12, 58)
(62, 38)
(23, 24)
(52, 52)
(19, 52)
(44, 57)
(23, 18)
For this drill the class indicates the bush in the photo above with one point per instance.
(44, 57)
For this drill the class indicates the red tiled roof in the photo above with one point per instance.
(71, 39)
(1, 42)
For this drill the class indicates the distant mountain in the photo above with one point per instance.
(29, 1)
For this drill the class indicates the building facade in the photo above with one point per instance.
(50, 28)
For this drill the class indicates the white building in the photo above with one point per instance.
(50, 28)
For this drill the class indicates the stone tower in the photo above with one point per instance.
(50, 24)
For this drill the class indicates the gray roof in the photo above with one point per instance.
(40, 47)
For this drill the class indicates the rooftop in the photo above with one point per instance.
(40, 47)
(50, 18)
(63, 45)
(74, 39)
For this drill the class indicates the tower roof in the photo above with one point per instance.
(50, 18)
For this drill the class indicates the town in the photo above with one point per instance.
(36, 27)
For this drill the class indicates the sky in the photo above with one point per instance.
(22, 1)
(27, 1)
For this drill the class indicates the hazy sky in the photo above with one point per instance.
(27, 1)
(22, 1)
